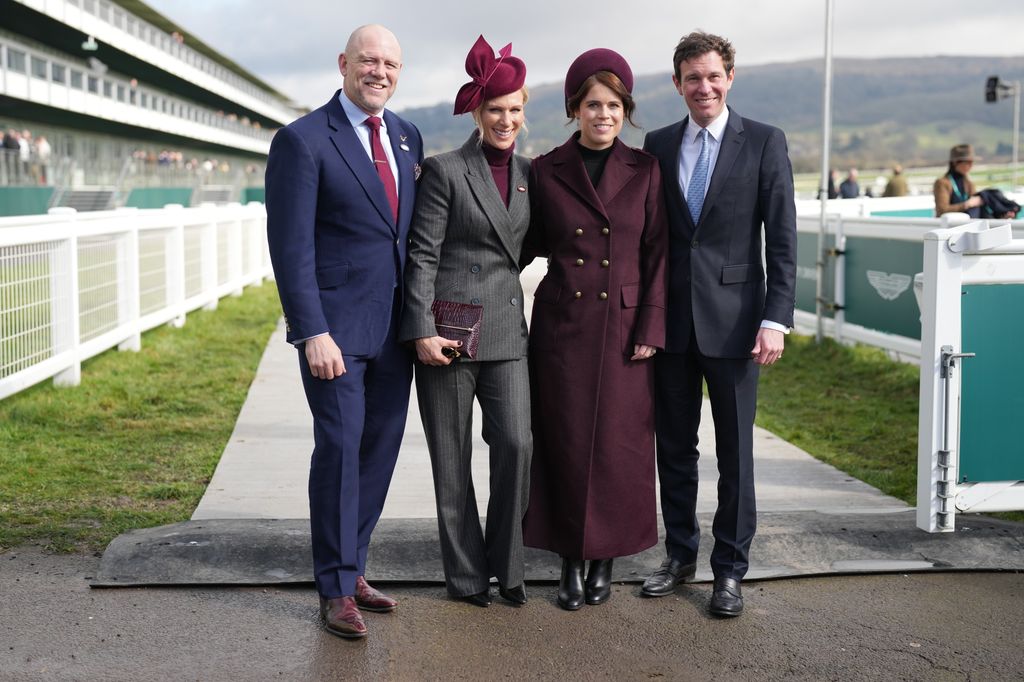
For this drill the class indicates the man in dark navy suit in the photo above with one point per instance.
(726, 178)
(340, 193)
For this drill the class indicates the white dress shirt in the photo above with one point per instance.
(688, 154)
(357, 117)
(691, 150)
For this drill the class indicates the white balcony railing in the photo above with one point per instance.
(109, 23)
(73, 285)
(31, 74)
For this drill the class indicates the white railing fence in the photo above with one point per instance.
(73, 285)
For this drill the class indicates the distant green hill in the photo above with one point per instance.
(910, 110)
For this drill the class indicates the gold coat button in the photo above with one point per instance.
(602, 295)
(578, 294)
(605, 230)
(579, 261)
(604, 263)
(579, 231)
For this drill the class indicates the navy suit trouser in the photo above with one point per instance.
(358, 423)
(732, 389)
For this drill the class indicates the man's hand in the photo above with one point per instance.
(324, 357)
(428, 350)
(768, 346)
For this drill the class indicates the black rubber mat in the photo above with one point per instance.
(254, 552)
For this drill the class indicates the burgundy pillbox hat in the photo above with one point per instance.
(492, 76)
(592, 61)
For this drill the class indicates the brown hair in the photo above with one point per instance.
(610, 81)
(699, 43)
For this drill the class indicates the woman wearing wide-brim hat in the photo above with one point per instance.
(955, 191)
(598, 318)
(472, 214)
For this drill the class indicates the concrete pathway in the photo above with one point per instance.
(263, 472)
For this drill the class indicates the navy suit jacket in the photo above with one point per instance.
(719, 287)
(337, 252)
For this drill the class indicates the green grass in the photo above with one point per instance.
(851, 407)
(136, 443)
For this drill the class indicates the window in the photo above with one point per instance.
(89, 6)
(58, 73)
(16, 60)
(108, 89)
(143, 100)
(94, 85)
(76, 79)
(133, 97)
(39, 67)
(120, 93)
(104, 11)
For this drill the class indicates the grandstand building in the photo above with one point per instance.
(107, 103)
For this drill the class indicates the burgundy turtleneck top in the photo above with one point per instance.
(498, 160)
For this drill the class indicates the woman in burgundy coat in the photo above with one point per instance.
(598, 317)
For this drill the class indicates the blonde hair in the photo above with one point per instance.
(524, 129)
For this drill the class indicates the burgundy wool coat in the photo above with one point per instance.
(592, 477)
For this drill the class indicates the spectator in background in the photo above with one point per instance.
(955, 192)
(897, 185)
(833, 176)
(43, 153)
(849, 189)
(25, 152)
(11, 140)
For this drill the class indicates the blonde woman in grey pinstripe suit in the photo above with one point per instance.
(472, 213)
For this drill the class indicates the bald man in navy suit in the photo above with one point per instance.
(340, 194)
(726, 179)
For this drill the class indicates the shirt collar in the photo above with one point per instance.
(716, 128)
(356, 116)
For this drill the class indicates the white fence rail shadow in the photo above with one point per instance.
(73, 285)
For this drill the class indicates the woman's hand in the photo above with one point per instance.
(974, 202)
(429, 350)
(642, 351)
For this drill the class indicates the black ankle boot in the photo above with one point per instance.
(599, 581)
(570, 588)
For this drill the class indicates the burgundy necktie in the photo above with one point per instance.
(380, 161)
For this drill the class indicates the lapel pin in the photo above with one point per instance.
(404, 147)
(520, 188)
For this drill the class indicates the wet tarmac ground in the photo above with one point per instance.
(934, 626)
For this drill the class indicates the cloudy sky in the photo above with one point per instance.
(293, 45)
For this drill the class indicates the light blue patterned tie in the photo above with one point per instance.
(699, 179)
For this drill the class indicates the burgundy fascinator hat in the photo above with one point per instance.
(492, 76)
(592, 61)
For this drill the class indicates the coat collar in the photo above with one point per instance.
(344, 138)
(732, 142)
(481, 182)
(618, 171)
(728, 151)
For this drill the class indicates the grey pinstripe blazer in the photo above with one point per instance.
(464, 246)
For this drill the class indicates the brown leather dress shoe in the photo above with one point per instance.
(372, 599)
(342, 618)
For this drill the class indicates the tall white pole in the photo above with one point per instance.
(826, 139)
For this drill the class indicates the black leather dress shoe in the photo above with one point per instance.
(516, 595)
(570, 587)
(482, 599)
(727, 599)
(598, 587)
(664, 580)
